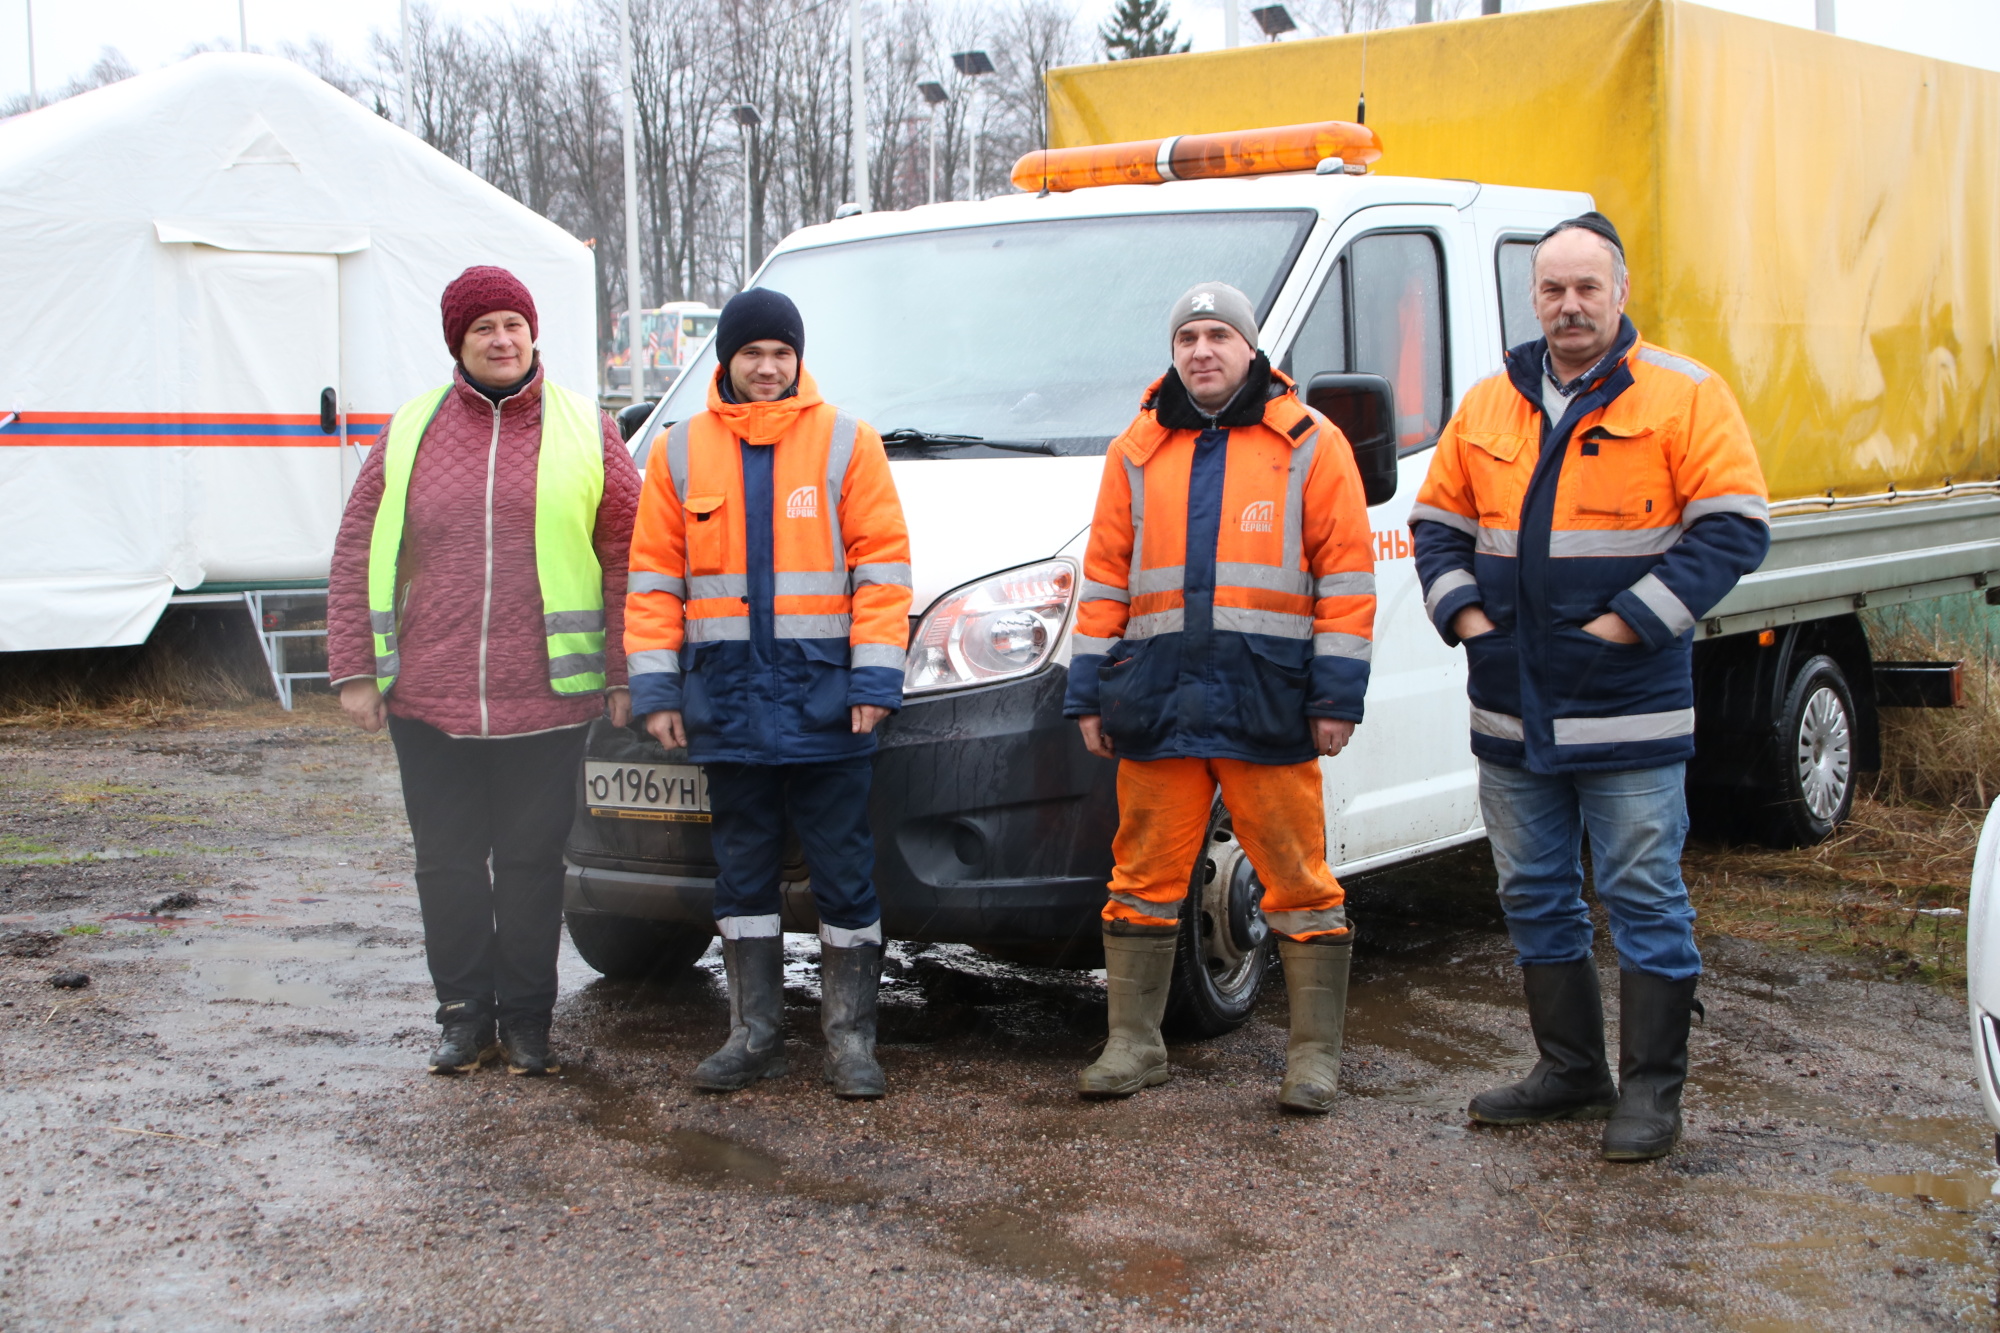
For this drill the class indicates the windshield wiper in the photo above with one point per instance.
(907, 435)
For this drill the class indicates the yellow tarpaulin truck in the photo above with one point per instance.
(1815, 218)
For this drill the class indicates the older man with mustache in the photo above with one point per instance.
(1584, 509)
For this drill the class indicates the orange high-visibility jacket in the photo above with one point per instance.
(1644, 498)
(770, 584)
(1229, 588)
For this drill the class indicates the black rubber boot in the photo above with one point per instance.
(467, 1042)
(756, 1045)
(849, 980)
(1572, 1080)
(526, 1045)
(1653, 1017)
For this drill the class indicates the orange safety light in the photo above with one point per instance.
(1186, 157)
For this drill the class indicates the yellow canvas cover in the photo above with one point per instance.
(1816, 219)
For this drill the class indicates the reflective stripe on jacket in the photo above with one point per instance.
(1229, 584)
(1645, 499)
(770, 585)
(569, 487)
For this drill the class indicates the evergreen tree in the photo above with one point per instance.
(1140, 28)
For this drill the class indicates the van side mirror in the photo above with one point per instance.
(1364, 407)
(633, 417)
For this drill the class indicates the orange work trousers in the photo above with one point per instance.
(1279, 816)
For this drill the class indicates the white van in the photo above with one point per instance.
(999, 346)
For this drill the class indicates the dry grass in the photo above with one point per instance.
(197, 658)
(1941, 756)
(1890, 887)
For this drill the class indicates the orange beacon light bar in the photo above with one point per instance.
(1186, 157)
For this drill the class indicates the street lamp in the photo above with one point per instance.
(747, 120)
(972, 64)
(1274, 20)
(934, 97)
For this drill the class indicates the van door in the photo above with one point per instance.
(1384, 305)
(260, 339)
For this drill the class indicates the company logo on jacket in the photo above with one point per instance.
(803, 503)
(1257, 516)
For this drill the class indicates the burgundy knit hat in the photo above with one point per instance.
(481, 290)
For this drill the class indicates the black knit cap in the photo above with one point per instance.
(753, 315)
(1593, 222)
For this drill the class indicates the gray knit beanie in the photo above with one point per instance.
(1215, 300)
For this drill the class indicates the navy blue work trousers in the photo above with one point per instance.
(827, 804)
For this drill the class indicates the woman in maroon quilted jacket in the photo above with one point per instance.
(476, 609)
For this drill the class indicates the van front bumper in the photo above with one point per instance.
(992, 826)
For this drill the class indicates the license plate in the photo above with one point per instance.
(646, 791)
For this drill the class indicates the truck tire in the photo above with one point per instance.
(626, 948)
(1225, 946)
(1811, 785)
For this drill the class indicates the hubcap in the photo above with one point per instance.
(1231, 925)
(1826, 746)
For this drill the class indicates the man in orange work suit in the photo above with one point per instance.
(1227, 611)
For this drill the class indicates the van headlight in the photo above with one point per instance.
(1002, 626)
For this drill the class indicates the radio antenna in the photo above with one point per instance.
(1361, 102)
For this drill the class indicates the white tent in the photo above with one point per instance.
(190, 261)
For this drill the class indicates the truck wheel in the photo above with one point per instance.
(626, 948)
(1812, 762)
(1225, 944)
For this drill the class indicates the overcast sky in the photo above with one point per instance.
(70, 33)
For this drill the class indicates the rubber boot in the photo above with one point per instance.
(756, 1046)
(1316, 982)
(1653, 1016)
(1138, 966)
(1572, 1080)
(849, 980)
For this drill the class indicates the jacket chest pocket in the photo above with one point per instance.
(707, 534)
(1617, 476)
(1498, 473)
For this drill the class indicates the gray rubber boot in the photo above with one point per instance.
(1572, 1080)
(1653, 1018)
(1316, 982)
(849, 980)
(1138, 965)
(756, 1045)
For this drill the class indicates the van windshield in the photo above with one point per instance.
(1027, 331)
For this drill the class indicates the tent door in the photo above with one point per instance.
(260, 340)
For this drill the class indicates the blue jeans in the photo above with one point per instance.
(828, 805)
(1637, 821)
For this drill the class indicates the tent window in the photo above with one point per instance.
(1514, 262)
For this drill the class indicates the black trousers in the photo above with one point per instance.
(491, 934)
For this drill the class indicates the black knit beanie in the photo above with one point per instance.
(1592, 221)
(753, 315)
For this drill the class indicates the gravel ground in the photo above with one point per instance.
(230, 1126)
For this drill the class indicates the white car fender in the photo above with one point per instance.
(1982, 965)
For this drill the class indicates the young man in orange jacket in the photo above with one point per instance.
(766, 619)
(1227, 612)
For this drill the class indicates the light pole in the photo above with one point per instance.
(972, 64)
(1425, 11)
(747, 120)
(1823, 15)
(1232, 25)
(635, 375)
(34, 91)
(857, 88)
(242, 27)
(934, 97)
(408, 73)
